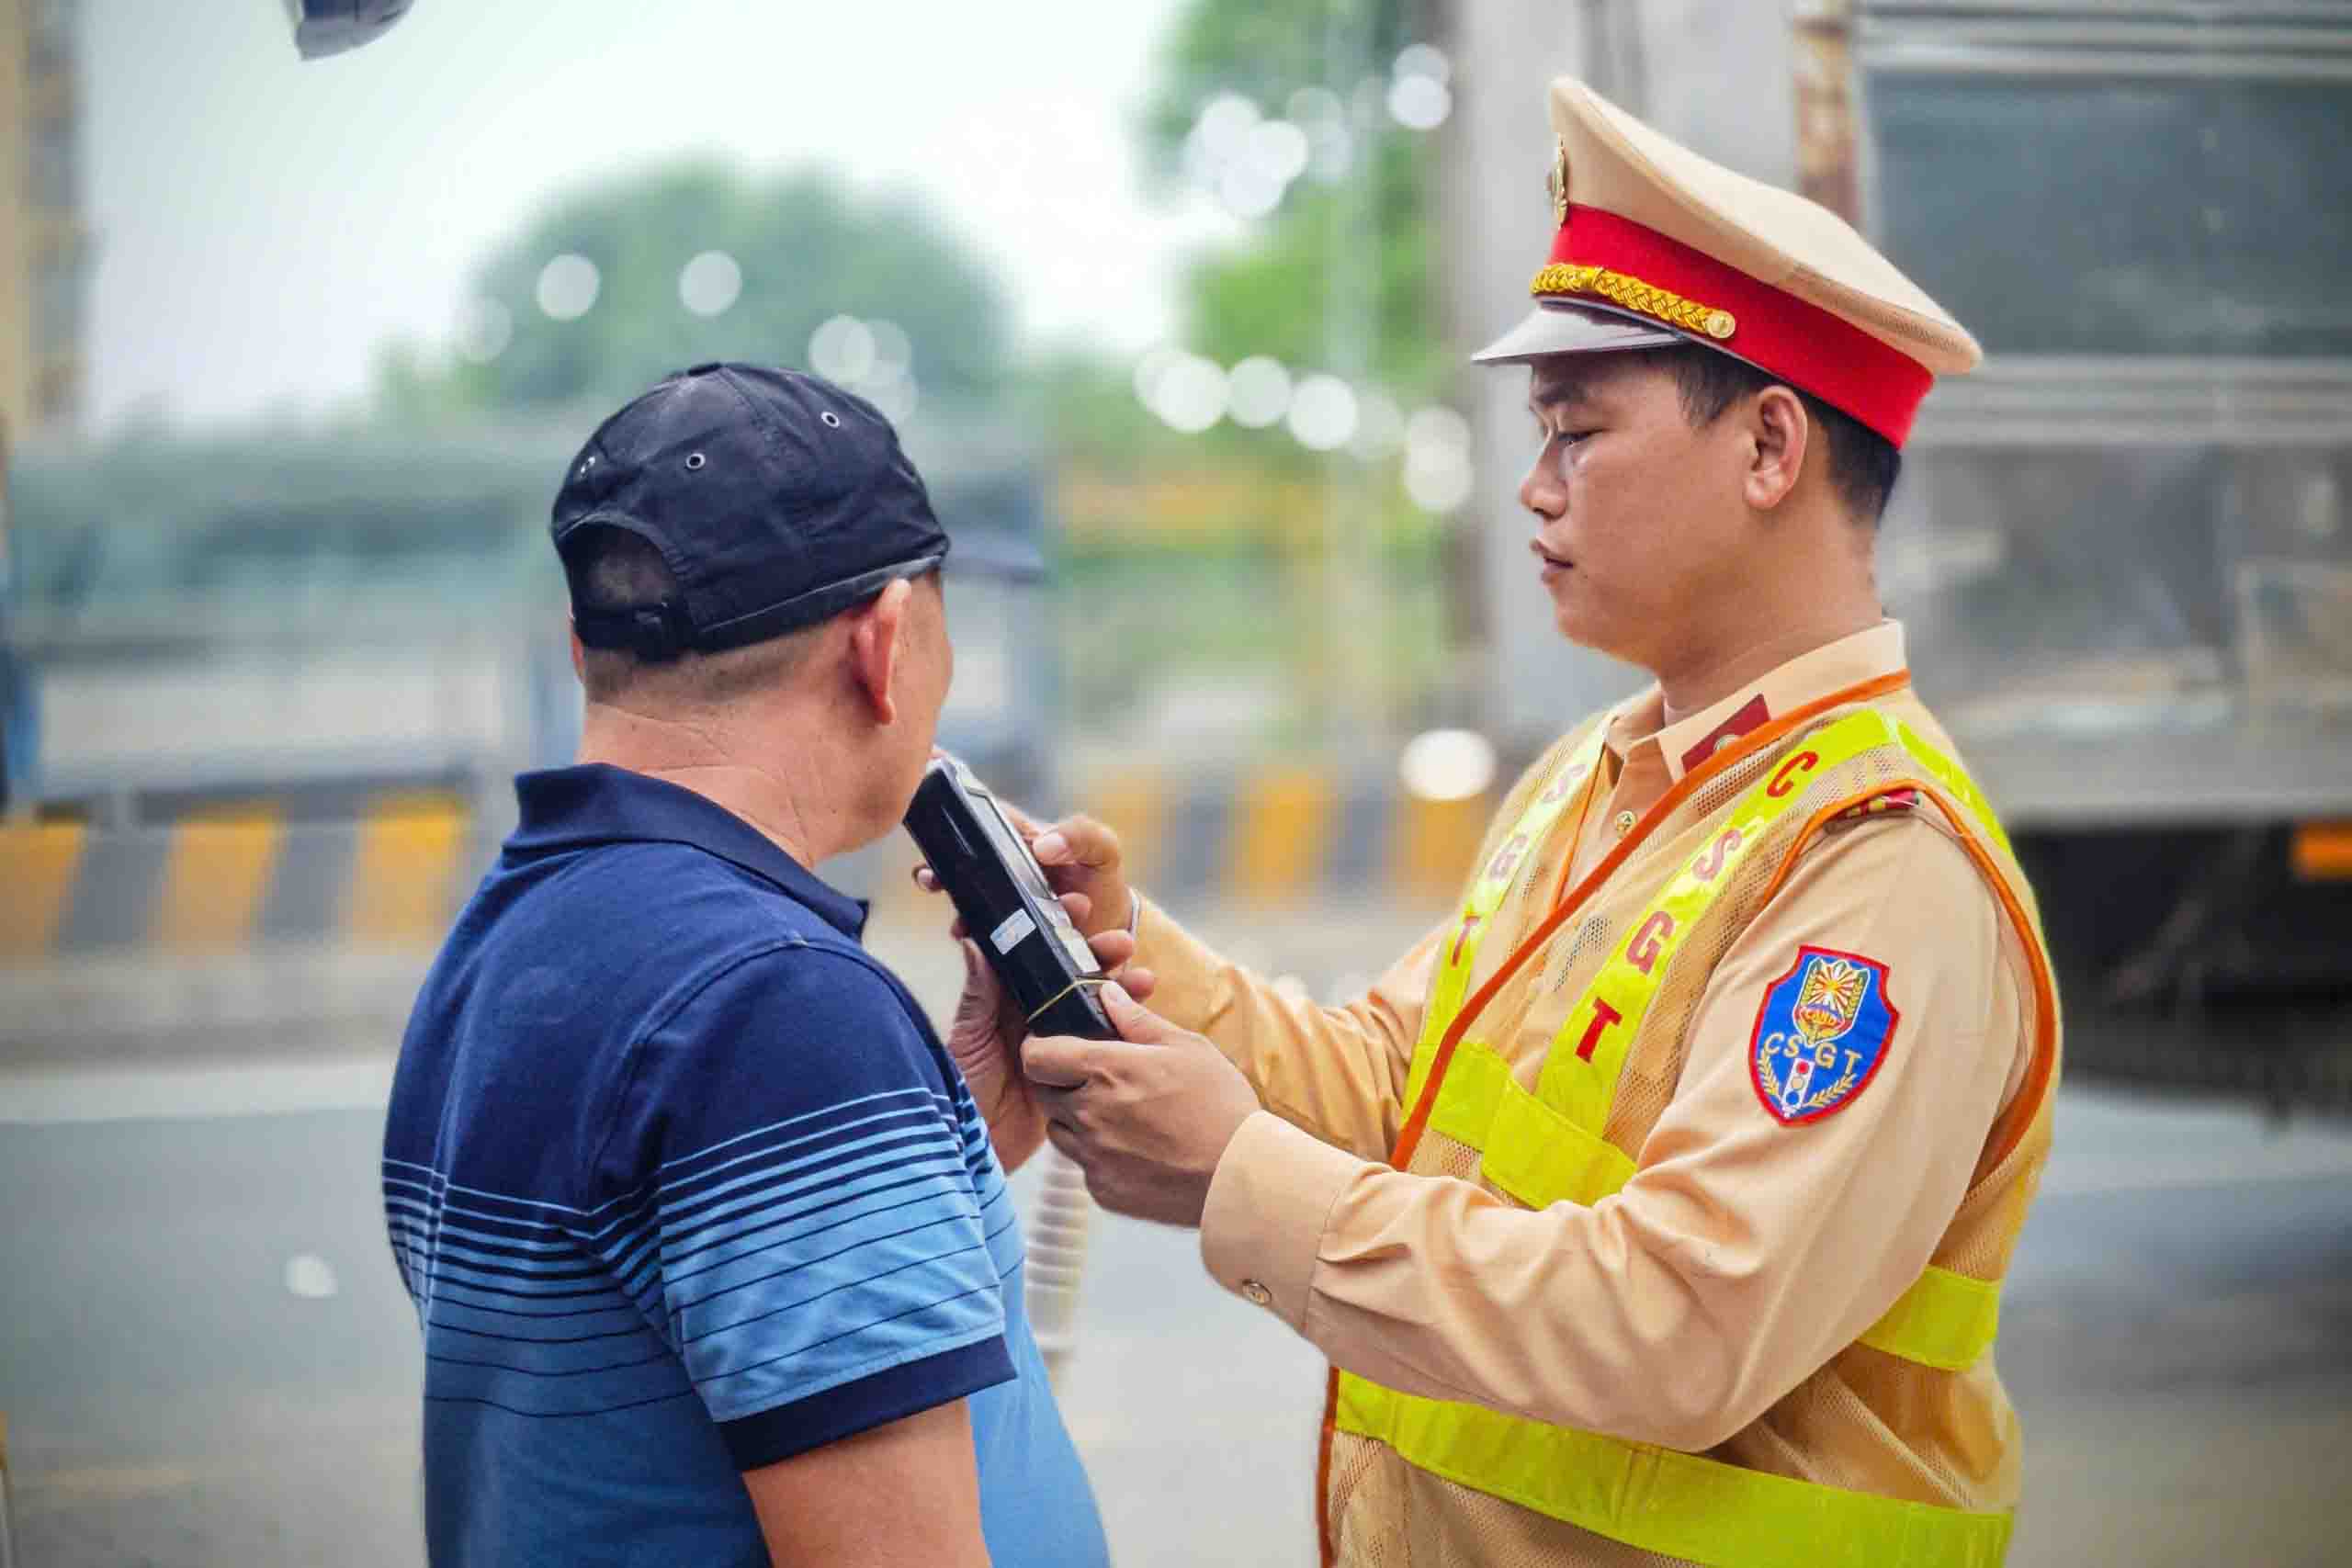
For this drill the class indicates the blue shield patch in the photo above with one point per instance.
(1819, 1037)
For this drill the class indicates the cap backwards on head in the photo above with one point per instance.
(774, 498)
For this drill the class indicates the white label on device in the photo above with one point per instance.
(1018, 927)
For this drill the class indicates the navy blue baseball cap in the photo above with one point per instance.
(775, 498)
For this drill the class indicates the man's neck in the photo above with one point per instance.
(784, 803)
(1724, 669)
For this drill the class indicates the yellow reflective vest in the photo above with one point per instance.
(1915, 1389)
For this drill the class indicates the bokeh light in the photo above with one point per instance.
(1425, 61)
(1151, 366)
(1447, 764)
(1278, 147)
(894, 355)
(1437, 475)
(710, 283)
(568, 286)
(1323, 413)
(1258, 392)
(1419, 102)
(841, 349)
(1190, 394)
(1225, 125)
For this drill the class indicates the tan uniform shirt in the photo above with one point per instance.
(1743, 1254)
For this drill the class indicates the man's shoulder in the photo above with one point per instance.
(820, 980)
(642, 920)
(568, 964)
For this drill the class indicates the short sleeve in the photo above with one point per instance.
(792, 1192)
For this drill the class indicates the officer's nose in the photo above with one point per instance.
(1541, 491)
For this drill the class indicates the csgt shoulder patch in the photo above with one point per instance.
(1820, 1035)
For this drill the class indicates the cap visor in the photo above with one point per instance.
(1007, 558)
(1573, 329)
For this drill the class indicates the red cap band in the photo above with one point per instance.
(1814, 350)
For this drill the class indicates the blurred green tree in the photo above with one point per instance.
(1271, 295)
(806, 250)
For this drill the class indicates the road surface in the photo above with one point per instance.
(208, 1359)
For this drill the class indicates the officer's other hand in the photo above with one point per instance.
(985, 1039)
(1079, 855)
(1147, 1116)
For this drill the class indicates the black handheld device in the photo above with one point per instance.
(1005, 903)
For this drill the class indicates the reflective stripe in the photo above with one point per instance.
(1546, 1147)
(1529, 1150)
(1495, 879)
(1581, 1072)
(1658, 1500)
(1956, 782)
(1944, 1320)
(1540, 1158)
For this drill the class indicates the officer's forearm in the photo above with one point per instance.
(1656, 1315)
(1336, 1072)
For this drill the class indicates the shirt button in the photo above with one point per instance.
(1624, 823)
(1259, 1296)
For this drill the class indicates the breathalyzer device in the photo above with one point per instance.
(1005, 903)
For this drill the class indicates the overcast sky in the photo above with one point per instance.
(264, 224)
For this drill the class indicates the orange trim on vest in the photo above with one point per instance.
(1409, 1136)
(2015, 1120)
(1327, 1548)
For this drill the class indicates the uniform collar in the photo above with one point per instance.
(594, 802)
(1684, 744)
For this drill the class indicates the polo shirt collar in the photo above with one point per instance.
(595, 803)
(1864, 656)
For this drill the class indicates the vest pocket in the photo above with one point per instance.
(1541, 1158)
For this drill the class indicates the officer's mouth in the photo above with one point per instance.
(1552, 565)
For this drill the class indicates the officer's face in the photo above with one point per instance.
(1638, 516)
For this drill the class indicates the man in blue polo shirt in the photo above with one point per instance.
(712, 1253)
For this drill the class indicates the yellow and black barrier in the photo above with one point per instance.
(235, 876)
(255, 873)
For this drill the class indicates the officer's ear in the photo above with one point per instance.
(1778, 431)
(876, 642)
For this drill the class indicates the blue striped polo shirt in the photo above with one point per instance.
(681, 1183)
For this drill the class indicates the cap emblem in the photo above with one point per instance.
(1556, 179)
(1633, 294)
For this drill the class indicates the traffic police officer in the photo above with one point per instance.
(1655, 1207)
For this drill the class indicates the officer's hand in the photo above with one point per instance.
(1080, 857)
(985, 1039)
(1147, 1116)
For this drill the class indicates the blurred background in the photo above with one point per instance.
(1176, 295)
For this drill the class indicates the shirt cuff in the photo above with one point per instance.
(1261, 1230)
(779, 1433)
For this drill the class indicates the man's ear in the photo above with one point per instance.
(1780, 430)
(876, 642)
(579, 655)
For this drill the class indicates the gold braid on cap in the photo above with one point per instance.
(1635, 295)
